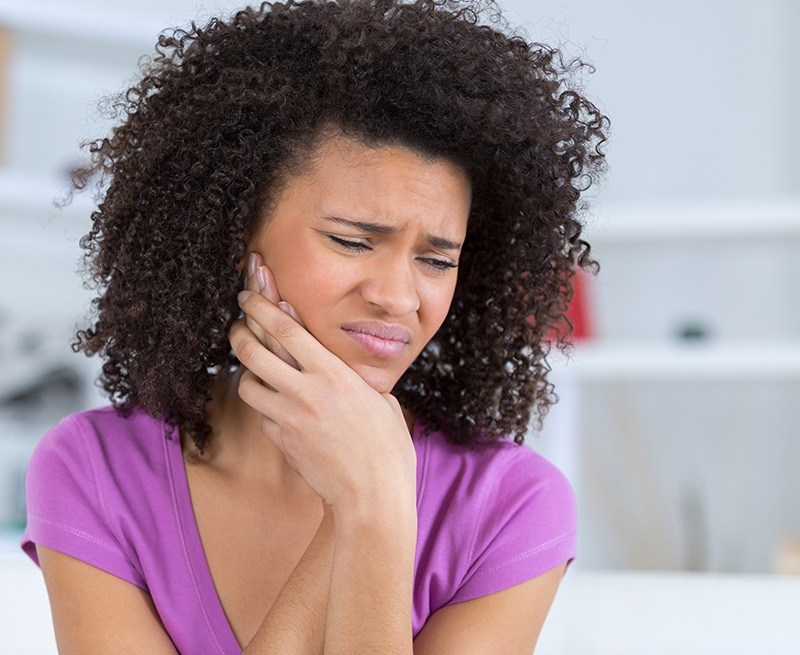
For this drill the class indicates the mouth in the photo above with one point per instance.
(378, 346)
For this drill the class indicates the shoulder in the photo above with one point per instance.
(116, 454)
(493, 516)
(489, 475)
(96, 456)
(91, 481)
(101, 433)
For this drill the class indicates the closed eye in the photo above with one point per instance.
(349, 245)
(440, 265)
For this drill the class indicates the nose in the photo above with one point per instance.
(390, 285)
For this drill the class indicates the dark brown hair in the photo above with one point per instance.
(224, 113)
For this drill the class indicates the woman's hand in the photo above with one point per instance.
(349, 442)
(259, 278)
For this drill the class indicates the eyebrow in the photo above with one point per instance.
(377, 228)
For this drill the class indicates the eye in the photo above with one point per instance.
(349, 245)
(439, 265)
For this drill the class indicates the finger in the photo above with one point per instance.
(270, 286)
(264, 400)
(285, 306)
(261, 361)
(269, 289)
(261, 280)
(251, 284)
(242, 323)
(277, 435)
(269, 404)
(306, 350)
(274, 296)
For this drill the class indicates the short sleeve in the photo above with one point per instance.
(65, 509)
(527, 526)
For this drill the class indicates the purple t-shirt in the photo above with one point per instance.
(113, 492)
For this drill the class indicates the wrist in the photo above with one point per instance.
(394, 514)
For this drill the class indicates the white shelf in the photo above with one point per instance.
(749, 361)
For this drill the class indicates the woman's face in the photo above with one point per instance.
(393, 271)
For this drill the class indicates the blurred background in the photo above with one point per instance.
(680, 405)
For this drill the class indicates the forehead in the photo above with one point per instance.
(392, 184)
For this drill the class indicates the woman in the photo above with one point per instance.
(334, 242)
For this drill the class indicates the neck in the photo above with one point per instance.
(239, 451)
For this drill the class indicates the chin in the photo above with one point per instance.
(380, 380)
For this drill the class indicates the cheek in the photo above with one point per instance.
(297, 272)
(312, 286)
(437, 303)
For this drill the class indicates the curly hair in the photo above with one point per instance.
(223, 115)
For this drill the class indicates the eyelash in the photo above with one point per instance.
(440, 265)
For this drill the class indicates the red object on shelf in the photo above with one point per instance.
(579, 310)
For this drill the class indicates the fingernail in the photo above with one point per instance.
(242, 296)
(285, 306)
(252, 263)
(261, 278)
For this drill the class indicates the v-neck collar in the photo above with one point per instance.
(194, 553)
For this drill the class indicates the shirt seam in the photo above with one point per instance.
(78, 533)
(97, 492)
(530, 553)
(476, 527)
(424, 475)
(486, 488)
(182, 538)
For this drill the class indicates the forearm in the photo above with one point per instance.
(295, 625)
(372, 579)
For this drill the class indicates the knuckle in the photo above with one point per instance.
(285, 327)
(246, 352)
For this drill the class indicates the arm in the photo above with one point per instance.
(351, 444)
(96, 612)
(296, 622)
(372, 598)
(372, 583)
(507, 621)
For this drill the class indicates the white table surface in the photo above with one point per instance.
(595, 613)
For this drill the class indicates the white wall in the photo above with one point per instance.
(702, 95)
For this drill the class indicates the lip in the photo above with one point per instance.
(380, 330)
(379, 339)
